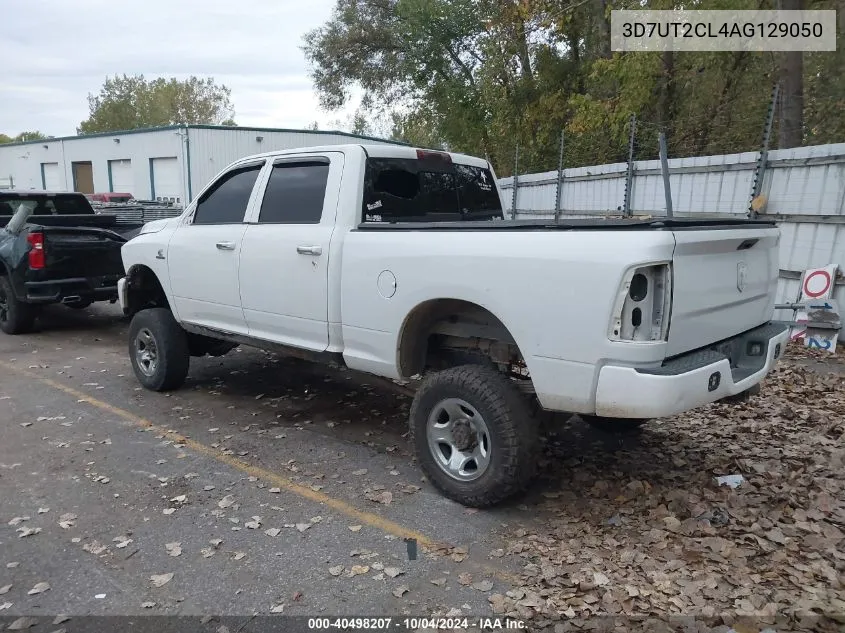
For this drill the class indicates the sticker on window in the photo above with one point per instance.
(373, 218)
(375, 205)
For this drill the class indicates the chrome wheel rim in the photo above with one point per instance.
(146, 352)
(458, 439)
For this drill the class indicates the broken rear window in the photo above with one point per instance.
(414, 190)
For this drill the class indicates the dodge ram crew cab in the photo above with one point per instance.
(399, 262)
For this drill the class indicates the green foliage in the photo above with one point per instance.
(130, 102)
(481, 76)
(22, 137)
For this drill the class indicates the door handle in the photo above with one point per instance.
(309, 250)
(226, 246)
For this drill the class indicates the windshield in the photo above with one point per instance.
(409, 190)
(59, 204)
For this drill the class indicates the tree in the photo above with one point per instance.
(130, 102)
(22, 137)
(483, 76)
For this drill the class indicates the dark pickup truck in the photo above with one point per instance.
(55, 249)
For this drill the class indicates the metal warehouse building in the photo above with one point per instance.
(164, 163)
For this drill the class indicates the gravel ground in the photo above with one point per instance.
(268, 485)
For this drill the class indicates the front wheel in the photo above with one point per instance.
(474, 435)
(158, 350)
(16, 317)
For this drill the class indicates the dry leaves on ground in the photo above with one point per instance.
(639, 526)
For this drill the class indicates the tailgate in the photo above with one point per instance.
(725, 282)
(81, 252)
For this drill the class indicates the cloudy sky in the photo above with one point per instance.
(55, 52)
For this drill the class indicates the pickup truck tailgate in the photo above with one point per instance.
(724, 283)
(82, 252)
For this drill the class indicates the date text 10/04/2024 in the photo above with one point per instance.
(414, 624)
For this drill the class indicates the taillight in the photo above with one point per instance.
(36, 250)
(643, 305)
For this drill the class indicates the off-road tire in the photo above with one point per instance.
(171, 341)
(16, 317)
(614, 426)
(514, 433)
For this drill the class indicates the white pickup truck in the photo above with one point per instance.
(398, 262)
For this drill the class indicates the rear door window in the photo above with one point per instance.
(295, 193)
(409, 190)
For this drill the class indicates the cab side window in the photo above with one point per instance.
(226, 201)
(295, 193)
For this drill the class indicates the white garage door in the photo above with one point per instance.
(52, 177)
(165, 179)
(122, 179)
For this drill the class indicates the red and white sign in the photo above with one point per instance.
(817, 286)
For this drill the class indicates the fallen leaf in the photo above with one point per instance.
(100, 596)
(67, 521)
(334, 571)
(173, 549)
(393, 572)
(207, 552)
(254, 524)
(5, 589)
(226, 502)
(358, 473)
(465, 579)
(239, 555)
(40, 587)
(216, 542)
(60, 619)
(148, 605)
(95, 547)
(600, 580)
(483, 585)
(355, 528)
(18, 520)
(5, 605)
(159, 580)
(384, 497)
(279, 608)
(273, 532)
(179, 499)
(27, 531)
(400, 591)
(43, 510)
(168, 511)
(358, 570)
(275, 491)
(440, 582)
(121, 541)
(21, 624)
(303, 526)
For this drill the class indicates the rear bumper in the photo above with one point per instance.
(102, 288)
(693, 379)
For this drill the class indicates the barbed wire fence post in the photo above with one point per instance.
(559, 189)
(757, 202)
(629, 177)
(664, 168)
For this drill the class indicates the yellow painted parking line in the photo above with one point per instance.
(374, 520)
(342, 507)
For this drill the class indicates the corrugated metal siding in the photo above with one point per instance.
(801, 181)
(213, 149)
(23, 162)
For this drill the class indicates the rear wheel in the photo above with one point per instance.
(614, 426)
(474, 435)
(158, 350)
(16, 317)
